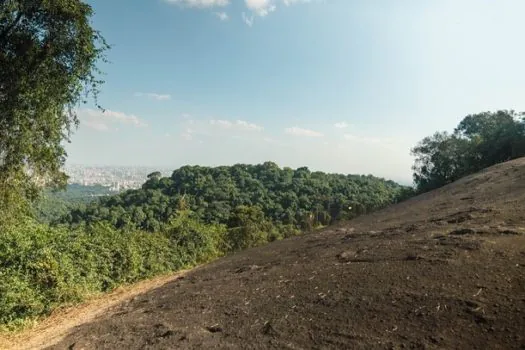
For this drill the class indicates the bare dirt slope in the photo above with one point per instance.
(445, 270)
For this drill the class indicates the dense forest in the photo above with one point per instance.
(289, 199)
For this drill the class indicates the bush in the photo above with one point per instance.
(42, 267)
(193, 241)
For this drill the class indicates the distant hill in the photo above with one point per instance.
(296, 198)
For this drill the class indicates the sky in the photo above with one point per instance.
(336, 85)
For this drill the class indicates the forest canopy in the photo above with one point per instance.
(300, 198)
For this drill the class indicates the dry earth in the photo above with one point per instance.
(445, 270)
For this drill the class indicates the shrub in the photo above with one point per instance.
(42, 267)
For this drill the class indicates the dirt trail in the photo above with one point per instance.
(54, 328)
(445, 270)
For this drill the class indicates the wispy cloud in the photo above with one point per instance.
(259, 8)
(272, 141)
(218, 128)
(302, 132)
(247, 19)
(223, 16)
(365, 139)
(291, 2)
(187, 135)
(200, 3)
(153, 96)
(96, 125)
(341, 125)
(101, 120)
(263, 8)
(240, 125)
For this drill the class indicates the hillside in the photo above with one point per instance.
(442, 270)
(288, 198)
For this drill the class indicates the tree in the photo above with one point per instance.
(479, 141)
(153, 180)
(48, 57)
(498, 136)
(441, 159)
(248, 228)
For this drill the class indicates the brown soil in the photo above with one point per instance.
(445, 270)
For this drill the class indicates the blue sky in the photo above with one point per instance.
(336, 85)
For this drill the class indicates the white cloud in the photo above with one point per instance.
(96, 125)
(264, 7)
(187, 135)
(247, 20)
(200, 3)
(154, 96)
(101, 120)
(365, 139)
(223, 16)
(272, 141)
(240, 125)
(341, 125)
(302, 132)
(218, 128)
(260, 7)
(291, 2)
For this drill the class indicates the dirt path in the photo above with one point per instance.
(54, 328)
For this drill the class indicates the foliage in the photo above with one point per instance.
(48, 53)
(228, 194)
(479, 141)
(405, 193)
(42, 268)
(193, 241)
(249, 228)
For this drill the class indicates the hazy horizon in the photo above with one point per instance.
(172, 168)
(337, 86)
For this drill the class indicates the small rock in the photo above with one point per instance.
(346, 255)
(214, 329)
(268, 329)
(462, 231)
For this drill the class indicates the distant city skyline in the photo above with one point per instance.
(116, 178)
(168, 170)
